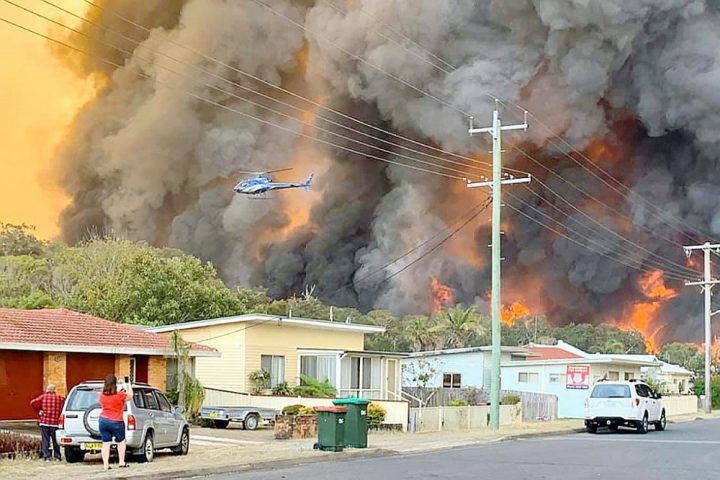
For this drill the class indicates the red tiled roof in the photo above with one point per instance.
(65, 328)
(550, 353)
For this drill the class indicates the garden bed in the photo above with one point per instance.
(14, 445)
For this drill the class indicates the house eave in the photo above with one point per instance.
(116, 350)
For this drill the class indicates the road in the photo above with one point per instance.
(685, 451)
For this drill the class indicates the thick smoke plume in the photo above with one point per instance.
(631, 84)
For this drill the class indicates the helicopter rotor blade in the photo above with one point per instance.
(247, 172)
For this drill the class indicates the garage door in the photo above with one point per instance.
(21, 380)
(88, 366)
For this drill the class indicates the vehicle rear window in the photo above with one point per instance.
(611, 391)
(82, 398)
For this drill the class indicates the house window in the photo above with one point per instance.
(133, 368)
(556, 378)
(319, 367)
(613, 375)
(528, 377)
(361, 377)
(452, 380)
(275, 364)
(629, 376)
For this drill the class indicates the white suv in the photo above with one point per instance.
(632, 404)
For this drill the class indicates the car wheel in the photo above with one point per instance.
(643, 426)
(221, 423)
(251, 422)
(73, 455)
(147, 453)
(662, 424)
(94, 432)
(591, 428)
(613, 428)
(184, 446)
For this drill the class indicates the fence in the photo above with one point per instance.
(680, 404)
(535, 406)
(397, 412)
(435, 419)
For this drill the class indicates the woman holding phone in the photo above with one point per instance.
(111, 421)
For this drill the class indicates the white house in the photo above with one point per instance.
(454, 368)
(568, 373)
(673, 379)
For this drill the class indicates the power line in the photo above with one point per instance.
(293, 94)
(236, 84)
(230, 109)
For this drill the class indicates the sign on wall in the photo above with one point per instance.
(577, 377)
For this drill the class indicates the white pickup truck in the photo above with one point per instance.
(631, 403)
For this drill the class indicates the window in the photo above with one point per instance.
(361, 377)
(319, 367)
(610, 391)
(528, 377)
(164, 403)
(133, 368)
(275, 364)
(452, 380)
(556, 378)
(642, 390)
(613, 376)
(629, 376)
(149, 400)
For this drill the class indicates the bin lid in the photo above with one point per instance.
(331, 409)
(350, 401)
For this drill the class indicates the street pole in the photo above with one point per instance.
(495, 184)
(706, 286)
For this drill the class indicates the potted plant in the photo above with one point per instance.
(260, 379)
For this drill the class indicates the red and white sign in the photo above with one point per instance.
(578, 377)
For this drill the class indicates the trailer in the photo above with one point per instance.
(249, 417)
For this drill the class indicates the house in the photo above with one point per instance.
(454, 368)
(62, 347)
(673, 379)
(289, 347)
(568, 373)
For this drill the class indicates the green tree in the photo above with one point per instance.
(422, 332)
(190, 392)
(19, 240)
(699, 389)
(25, 282)
(684, 354)
(459, 325)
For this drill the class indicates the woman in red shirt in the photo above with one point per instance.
(111, 421)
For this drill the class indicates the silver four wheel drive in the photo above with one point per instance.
(151, 423)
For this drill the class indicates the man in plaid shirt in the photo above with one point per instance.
(49, 405)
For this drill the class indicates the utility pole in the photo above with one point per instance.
(706, 287)
(495, 184)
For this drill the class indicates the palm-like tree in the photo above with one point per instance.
(459, 325)
(422, 332)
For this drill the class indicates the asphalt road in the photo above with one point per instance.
(685, 451)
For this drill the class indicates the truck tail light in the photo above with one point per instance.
(131, 423)
(61, 422)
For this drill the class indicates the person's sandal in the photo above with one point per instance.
(124, 465)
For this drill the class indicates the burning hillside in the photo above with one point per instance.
(630, 84)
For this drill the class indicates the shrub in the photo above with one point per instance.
(699, 389)
(458, 402)
(313, 388)
(260, 379)
(173, 395)
(306, 411)
(511, 399)
(282, 389)
(292, 409)
(376, 415)
(11, 442)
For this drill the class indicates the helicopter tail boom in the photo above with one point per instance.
(306, 185)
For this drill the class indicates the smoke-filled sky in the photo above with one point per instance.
(631, 84)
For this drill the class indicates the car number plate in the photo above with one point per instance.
(91, 446)
(213, 414)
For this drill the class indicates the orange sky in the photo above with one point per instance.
(38, 99)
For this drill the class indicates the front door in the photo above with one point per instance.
(391, 387)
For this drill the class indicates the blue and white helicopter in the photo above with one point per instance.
(262, 183)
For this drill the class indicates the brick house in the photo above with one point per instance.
(59, 346)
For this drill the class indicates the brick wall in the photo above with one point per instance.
(54, 371)
(122, 366)
(157, 372)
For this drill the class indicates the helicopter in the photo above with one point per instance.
(261, 182)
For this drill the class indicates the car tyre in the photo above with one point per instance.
(147, 453)
(251, 422)
(613, 428)
(643, 426)
(74, 454)
(93, 432)
(221, 423)
(184, 447)
(662, 424)
(591, 428)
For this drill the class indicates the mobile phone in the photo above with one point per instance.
(127, 379)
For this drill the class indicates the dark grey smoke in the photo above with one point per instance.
(146, 161)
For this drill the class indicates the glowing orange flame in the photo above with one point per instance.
(642, 315)
(442, 296)
(512, 312)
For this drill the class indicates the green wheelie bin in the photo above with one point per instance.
(356, 421)
(331, 428)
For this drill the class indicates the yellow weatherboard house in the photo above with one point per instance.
(288, 347)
